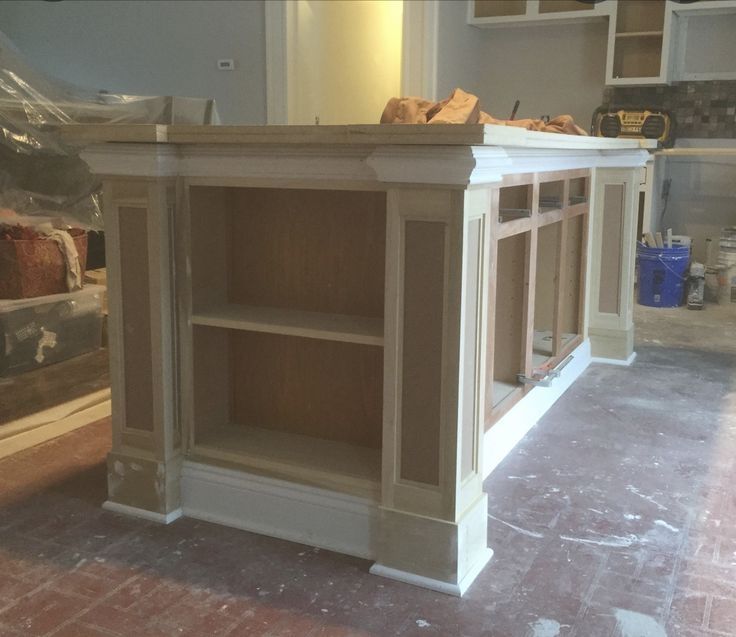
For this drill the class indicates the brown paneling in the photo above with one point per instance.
(640, 15)
(495, 8)
(570, 319)
(554, 6)
(548, 247)
(421, 378)
(136, 310)
(509, 308)
(319, 388)
(211, 378)
(314, 250)
(613, 219)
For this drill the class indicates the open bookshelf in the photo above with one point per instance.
(287, 293)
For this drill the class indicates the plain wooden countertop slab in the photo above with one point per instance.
(355, 135)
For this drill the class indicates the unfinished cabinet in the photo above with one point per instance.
(331, 334)
(491, 13)
(537, 296)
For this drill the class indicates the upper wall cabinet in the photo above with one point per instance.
(649, 41)
(491, 13)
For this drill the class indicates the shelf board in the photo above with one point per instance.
(543, 341)
(272, 320)
(640, 34)
(328, 464)
(502, 390)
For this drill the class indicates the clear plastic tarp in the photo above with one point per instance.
(41, 176)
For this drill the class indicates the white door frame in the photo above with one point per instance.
(418, 53)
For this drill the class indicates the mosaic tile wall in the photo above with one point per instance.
(700, 109)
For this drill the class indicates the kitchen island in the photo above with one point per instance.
(332, 334)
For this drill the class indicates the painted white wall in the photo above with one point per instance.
(346, 56)
(553, 69)
(150, 48)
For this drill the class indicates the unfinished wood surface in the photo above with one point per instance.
(548, 255)
(423, 310)
(612, 220)
(637, 57)
(306, 386)
(136, 313)
(555, 6)
(211, 381)
(640, 15)
(310, 250)
(330, 327)
(570, 321)
(497, 8)
(578, 191)
(509, 309)
(551, 195)
(367, 135)
(208, 242)
(328, 464)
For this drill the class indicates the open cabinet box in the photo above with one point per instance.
(540, 236)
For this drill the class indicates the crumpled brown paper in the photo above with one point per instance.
(464, 108)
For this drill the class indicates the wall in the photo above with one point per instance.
(149, 48)
(552, 69)
(347, 57)
(700, 109)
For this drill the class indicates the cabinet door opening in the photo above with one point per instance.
(514, 202)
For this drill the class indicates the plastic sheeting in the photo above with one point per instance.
(39, 174)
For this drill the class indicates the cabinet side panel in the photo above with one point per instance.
(509, 308)
(136, 311)
(548, 245)
(313, 387)
(609, 300)
(424, 268)
(570, 320)
(312, 250)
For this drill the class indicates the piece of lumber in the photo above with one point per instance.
(660, 241)
(649, 240)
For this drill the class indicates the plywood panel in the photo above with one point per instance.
(509, 309)
(555, 6)
(571, 303)
(210, 243)
(319, 388)
(319, 251)
(639, 15)
(548, 247)
(609, 300)
(211, 379)
(136, 310)
(637, 57)
(496, 8)
(421, 378)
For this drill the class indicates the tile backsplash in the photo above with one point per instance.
(700, 109)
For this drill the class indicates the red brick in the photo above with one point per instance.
(41, 612)
(723, 615)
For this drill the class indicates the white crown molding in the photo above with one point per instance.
(149, 160)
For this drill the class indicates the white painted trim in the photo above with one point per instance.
(457, 590)
(419, 49)
(146, 159)
(51, 423)
(505, 434)
(277, 508)
(614, 361)
(144, 514)
(276, 62)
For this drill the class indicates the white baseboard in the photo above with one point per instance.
(54, 422)
(505, 434)
(458, 590)
(124, 509)
(615, 361)
(295, 512)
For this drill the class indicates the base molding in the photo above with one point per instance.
(615, 361)
(505, 434)
(153, 516)
(457, 590)
(278, 508)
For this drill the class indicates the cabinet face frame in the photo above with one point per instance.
(530, 226)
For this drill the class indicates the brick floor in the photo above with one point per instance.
(615, 517)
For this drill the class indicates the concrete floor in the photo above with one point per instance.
(615, 517)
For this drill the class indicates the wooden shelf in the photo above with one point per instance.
(640, 34)
(272, 320)
(323, 463)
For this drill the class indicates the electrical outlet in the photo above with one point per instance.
(225, 65)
